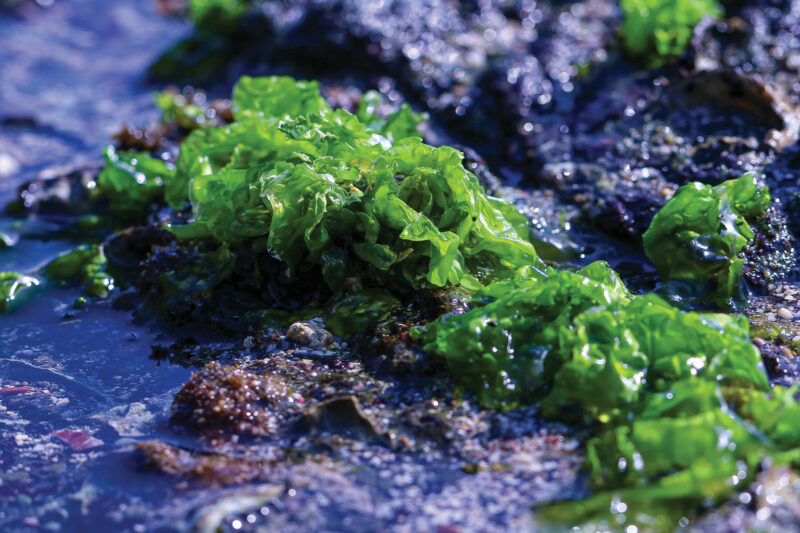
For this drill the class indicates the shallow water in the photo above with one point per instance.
(71, 75)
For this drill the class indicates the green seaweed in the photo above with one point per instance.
(85, 265)
(193, 280)
(360, 312)
(177, 108)
(313, 186)
(678, 402)
(133, 181)
(656, 30)
(217, 15)
(13, 286)
(697, 237)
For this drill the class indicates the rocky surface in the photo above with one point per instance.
(250, 427)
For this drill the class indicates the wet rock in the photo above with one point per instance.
(128, 248)
(771, 255)
(58, 192)
(341, 416)
(230, 401)
(751, 95)
(770, 503)
(430, 425)
(210, 468)
(132, 420)
(309, 335)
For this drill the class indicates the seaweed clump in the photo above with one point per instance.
(656, 30)
(12, 286)
(310, 185)
(86, 266)
(354, 200)
(698, 237)
(678, 402)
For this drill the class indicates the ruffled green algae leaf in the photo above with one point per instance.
(85, 265)
(132, 181)
(654, 31)
(176, 108)
(678, 403)
(398, 125)
(506, 349)
(697, 237)
(359, 198)
(277, 97)
(14, 287)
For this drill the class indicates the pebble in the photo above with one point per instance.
(785, 313)
(309, 335)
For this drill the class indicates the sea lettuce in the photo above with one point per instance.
(217, 15)
(12, 287)
(85, 265)
(698, 236)
(132, 181)
(368, 200)
(671, 396)
(655, 30)
(555, 338)
(179, 109)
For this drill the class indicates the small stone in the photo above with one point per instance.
(309, 335)
(796, 338)
(785, 313)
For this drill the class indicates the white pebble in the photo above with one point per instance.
(785, 313)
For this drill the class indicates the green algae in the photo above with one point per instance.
(176, 108)
(697, 237)
(654, 31)
(360, 312)
(367, 201)
(13, 287)
(86, 265)
(217, 15)
(536, 339)
(677, 402)
(132, 181)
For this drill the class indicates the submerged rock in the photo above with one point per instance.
(231, 400)
(209, 468)
(341, 415)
